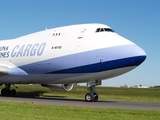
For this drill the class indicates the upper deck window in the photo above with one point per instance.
(104, 29)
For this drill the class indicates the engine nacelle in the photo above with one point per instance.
(59, 87)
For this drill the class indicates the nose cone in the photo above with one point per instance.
(139, 55)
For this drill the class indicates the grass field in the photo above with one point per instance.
(28, 111)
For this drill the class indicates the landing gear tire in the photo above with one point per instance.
(13, 92)
(95, 97)
(89, 97)
(3, 92)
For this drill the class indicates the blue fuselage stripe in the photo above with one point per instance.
(104, 66)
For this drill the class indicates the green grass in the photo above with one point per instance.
(105, 93)
(27, 111)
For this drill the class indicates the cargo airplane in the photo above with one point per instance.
(59, 57)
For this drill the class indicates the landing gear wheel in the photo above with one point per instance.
(95, 97)
(13, 92)
(3, 92)
(89, 97)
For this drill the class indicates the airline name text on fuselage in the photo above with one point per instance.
(28, 50)
(4, 53)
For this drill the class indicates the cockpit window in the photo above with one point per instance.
(108, 29)
(98, 29)
(104, 30)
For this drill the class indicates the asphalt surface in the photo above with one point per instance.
(60, 101)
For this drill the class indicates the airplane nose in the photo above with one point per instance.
(139, 55)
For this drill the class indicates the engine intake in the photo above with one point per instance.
(59, 87)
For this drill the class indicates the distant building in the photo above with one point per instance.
(136, 86)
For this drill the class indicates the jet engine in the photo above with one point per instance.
(59, 87)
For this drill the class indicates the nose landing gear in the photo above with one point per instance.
(93, 95)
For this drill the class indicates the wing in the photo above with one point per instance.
(8, 68)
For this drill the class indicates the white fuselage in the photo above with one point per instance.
(70, 54)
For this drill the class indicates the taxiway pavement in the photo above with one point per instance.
(60, 101)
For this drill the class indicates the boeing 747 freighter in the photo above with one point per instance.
(59, 57)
